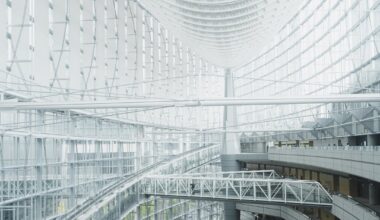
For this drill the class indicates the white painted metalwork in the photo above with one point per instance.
(247, 189)
(264, 100)
(257, 174)
(149, 76)
(327, 47)
(182, 163)
(223, 31)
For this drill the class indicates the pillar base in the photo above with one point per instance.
(229, 163)
(230, 211)
(374, 194)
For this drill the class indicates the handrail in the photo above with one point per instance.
(261, 190)
(120, 185)
(359, 203)
(81, 207)
(346, 148)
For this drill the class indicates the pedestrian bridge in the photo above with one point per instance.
(247, 186)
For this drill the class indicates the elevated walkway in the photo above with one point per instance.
(363, 161)
(249, 187)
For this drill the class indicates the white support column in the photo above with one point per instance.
(376, 121)
(154, 145)
(98, 157)
(230, 143)
(3, 39)
(2, 173)
(72, 145)
(38, 167)
(121, 44)
(187, 142)
(138, 150)
(186, 210)
(155, 59)
(181, 143)
(139, 50)
(170, 211)
(142, 154)
(41, 68)
(100, 50)
(155, 208)
(138, 214)
(120, 157)
(199, 209)
(74, 39)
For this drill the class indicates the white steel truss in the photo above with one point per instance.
(150, 74)
(257, 174)
(241, 186)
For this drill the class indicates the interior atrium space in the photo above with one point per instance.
(190, 110)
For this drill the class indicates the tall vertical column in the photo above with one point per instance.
(230, 143)
(143, 152)
(181, 143)
(199, 210)
(39, 142)
(98, 168)
(72, 182)
(3, 39)
(156, 209)
(373, 140)
(75, 82)
(185, 210)
(138, 213)
(154, 147)
(38, 166)
(120, 152)
(188, 142)
(184, 144)
(40, 58)
(170, 211)
(140, 75)
(374, 193)
(39, 13)
(100, 53)
(376, 121)
(2, 174)
(139, 148)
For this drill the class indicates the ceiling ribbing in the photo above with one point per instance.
(226, 32)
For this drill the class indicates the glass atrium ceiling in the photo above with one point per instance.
(95, 93)
(224, 31)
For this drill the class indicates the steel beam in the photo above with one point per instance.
(147, 103)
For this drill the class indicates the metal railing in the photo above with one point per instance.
(282, 191)
(346, 148)
(179, 164)
(256, 174)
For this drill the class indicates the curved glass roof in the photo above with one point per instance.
(223, 31)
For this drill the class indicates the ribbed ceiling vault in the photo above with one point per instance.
(226, 32)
